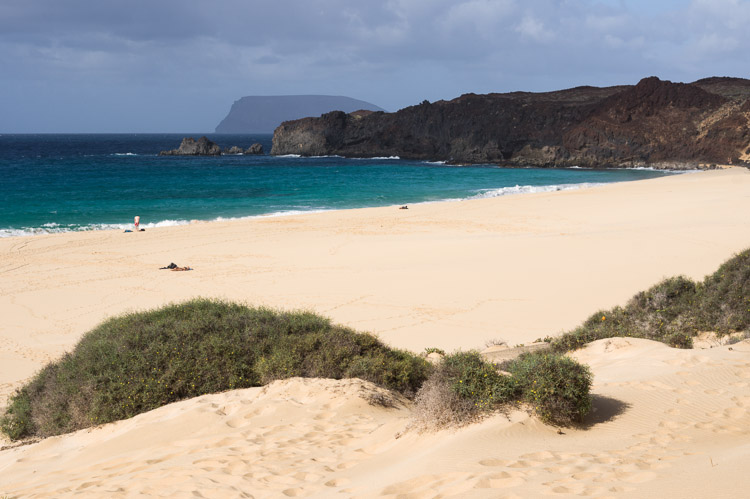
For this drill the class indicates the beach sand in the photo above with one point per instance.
(449, 275)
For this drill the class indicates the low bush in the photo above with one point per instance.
(557, 387)
(724, 297)
(141, 361)
(675, 310)
(464, 386)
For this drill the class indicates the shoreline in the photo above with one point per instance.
(481, 194)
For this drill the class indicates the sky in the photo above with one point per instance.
(108, 66)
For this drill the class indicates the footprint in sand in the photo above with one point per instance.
(540, 456)
(636, 477)
(714, 391)
(494, 462)
(673, 425)
(735, 413)
(704, 425)
(294, 492)
(409, 485)
(523, 464)
(566, 486)
(324, 416)
(501, 480)
(235, 422)
(336, 482)
(605, 460)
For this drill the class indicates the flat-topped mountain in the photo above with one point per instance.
(656, 123)
(262, 114)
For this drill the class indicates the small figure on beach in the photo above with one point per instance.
(174, 267)
(137, 223)
(404, 207)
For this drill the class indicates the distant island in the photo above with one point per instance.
(262, 114)
(654, 123)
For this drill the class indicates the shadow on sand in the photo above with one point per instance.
(603, 410)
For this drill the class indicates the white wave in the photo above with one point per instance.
(434, 162)
(164, 223)
(290, 156)
(53, 228)
(660, 170)
(125, 154)
(530, 189)
(385, 157)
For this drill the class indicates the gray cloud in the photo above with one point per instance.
(138, 63)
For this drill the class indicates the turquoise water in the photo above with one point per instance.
(59, 183)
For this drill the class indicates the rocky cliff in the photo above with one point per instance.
(656, 123)
(262, 114)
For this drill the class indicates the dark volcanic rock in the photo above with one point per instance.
(233, 150)
(255, 149)
(653, 123)
(192, 147)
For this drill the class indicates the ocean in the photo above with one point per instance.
(59, 183)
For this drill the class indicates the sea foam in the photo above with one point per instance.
(530, 189)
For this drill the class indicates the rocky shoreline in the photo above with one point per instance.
(658, 124)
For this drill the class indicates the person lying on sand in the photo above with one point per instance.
(173, 266)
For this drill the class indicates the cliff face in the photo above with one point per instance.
(262, 114)
(652, 123)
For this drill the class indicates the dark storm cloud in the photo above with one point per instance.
(158, 54)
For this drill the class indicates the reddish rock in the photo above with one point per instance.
(652, 123)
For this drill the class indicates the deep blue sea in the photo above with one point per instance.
(59, 183)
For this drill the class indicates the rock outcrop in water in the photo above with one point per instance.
(254, 149)
(654, 123)
(191, 147)
(206, 147)
(262, 114)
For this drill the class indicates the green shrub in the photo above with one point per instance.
(476, 380)
(725, 297)
(141, 361)
(17, 422)
(463, 386)
(557, 387)
(675, 310)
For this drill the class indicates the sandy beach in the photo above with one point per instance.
(450, 275)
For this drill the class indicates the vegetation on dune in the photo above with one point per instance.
(141, 361)
(675, 310)
(464, 386)
(138, 362)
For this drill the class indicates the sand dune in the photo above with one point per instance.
(451, 275)
(667, 422)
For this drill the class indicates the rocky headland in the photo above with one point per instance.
(206, 147)
(654, 123)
